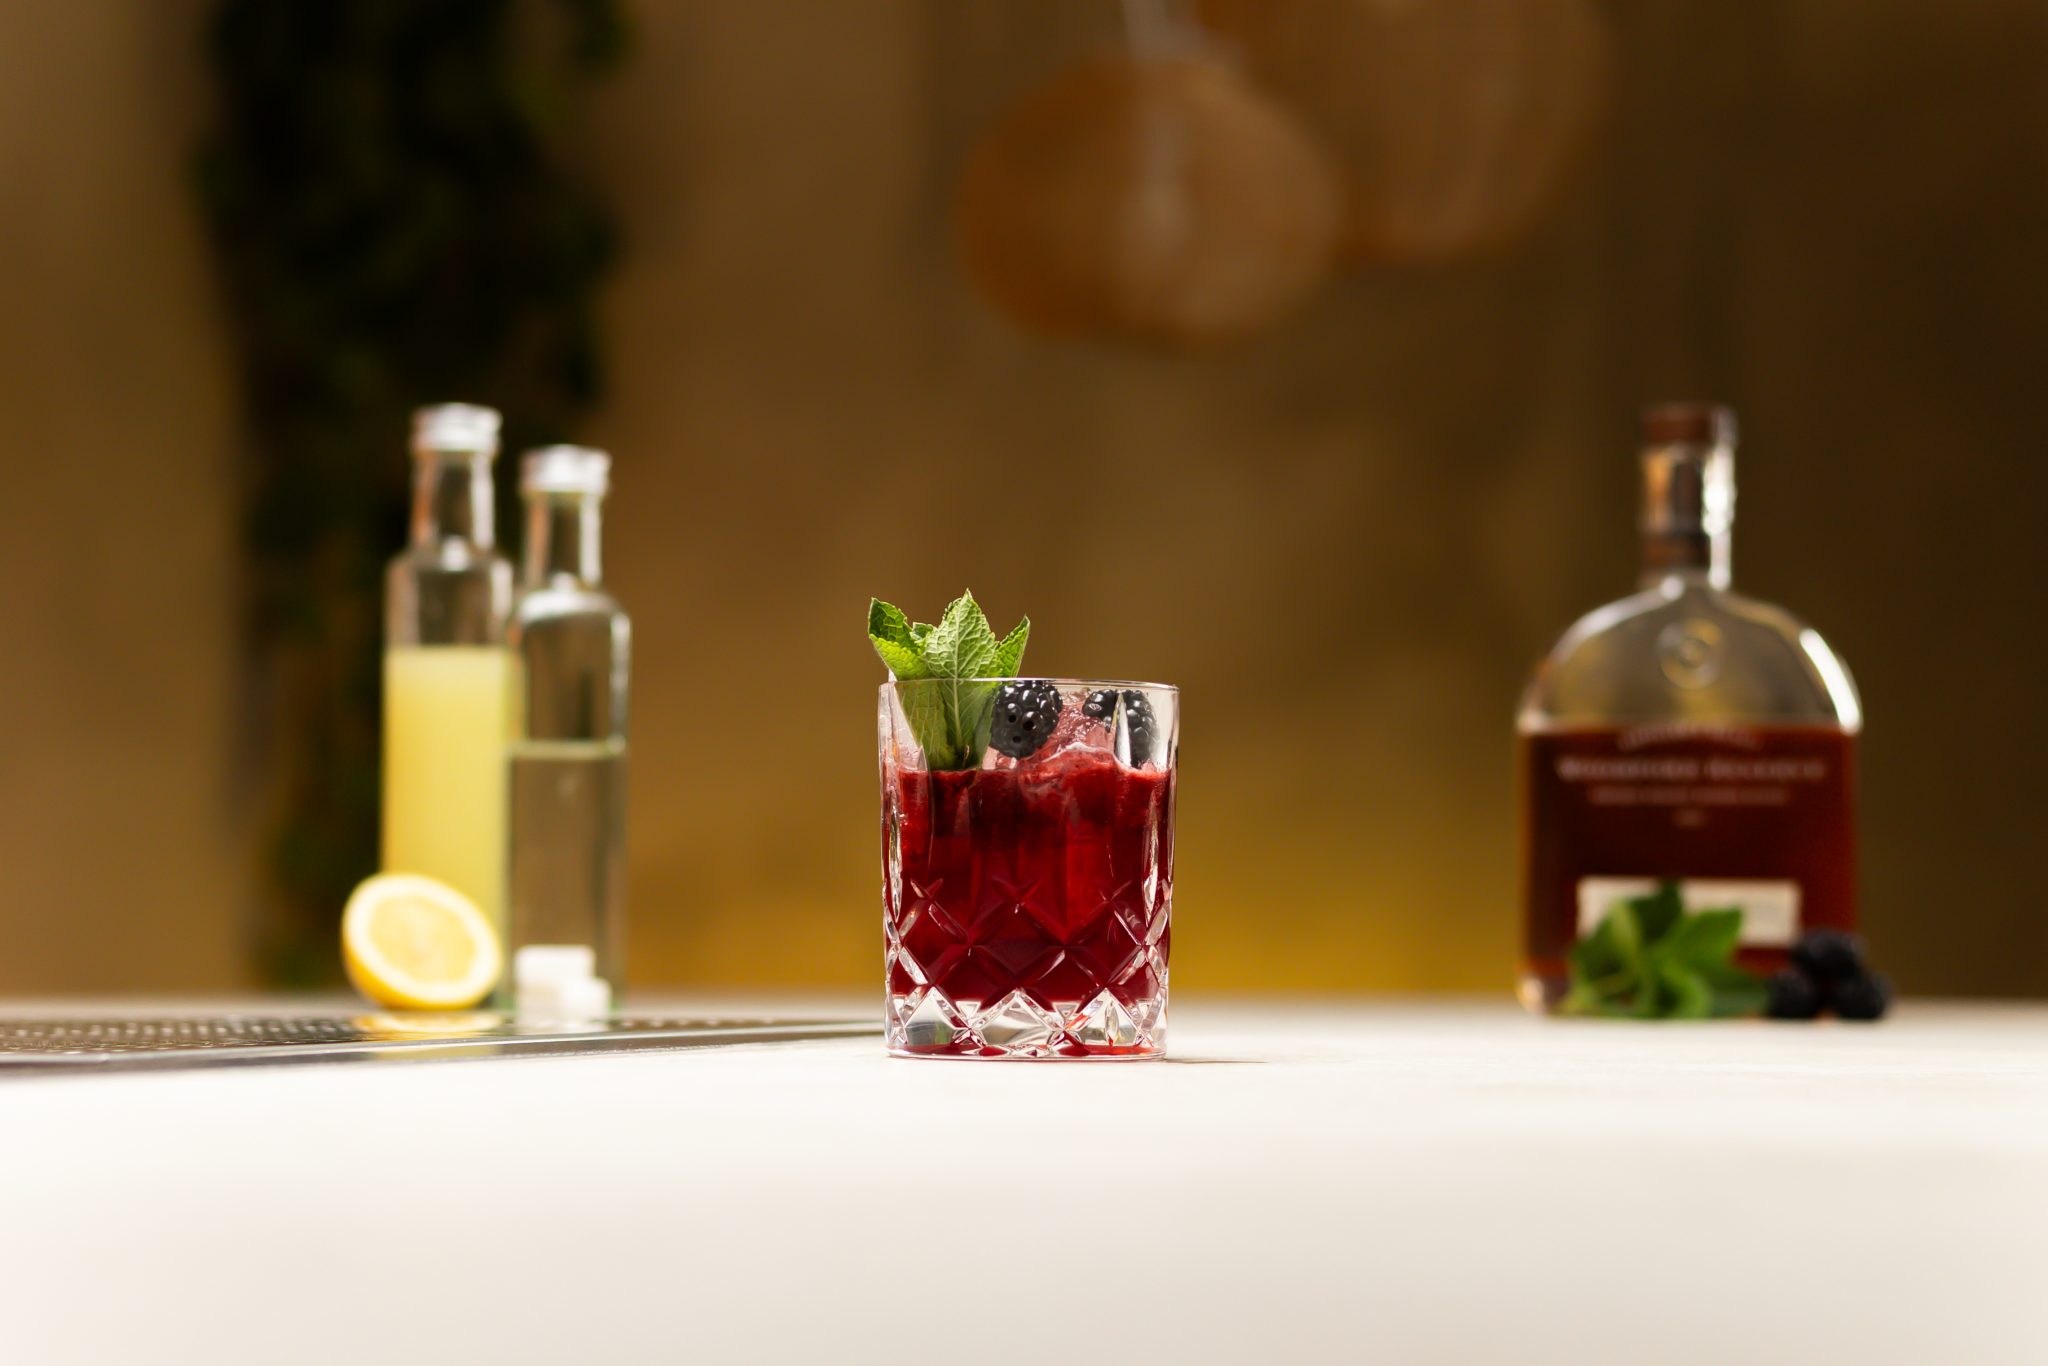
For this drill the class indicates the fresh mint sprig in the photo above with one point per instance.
(958, 655)
(1650, 959)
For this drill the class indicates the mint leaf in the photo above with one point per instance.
(894, 640)
(1011, 652)
(949, 666)
(1594, 958)
(1658, 911)
(1736, 992)
(1626, 934)
(1704, 937)
(1648, 1003)
(1648, 959)
(961, 649)
(1585, 999)
(1690, 996)
(1605, 968)
(962, 645)
(1599, 955)
(887, 622)
(903, 661)
(924, 707)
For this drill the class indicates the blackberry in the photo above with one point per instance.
(1865, 996)
(1793, 996)
(1141, 726)
(1828, 955)
(1101, 704)
(1027, 712)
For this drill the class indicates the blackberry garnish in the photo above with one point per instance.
(1793, 996)
(1101, 704)
(1027, 712)
(1828, 955)
(1141, 726)
(1865, 996)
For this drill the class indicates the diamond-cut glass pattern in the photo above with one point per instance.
(1028, 904)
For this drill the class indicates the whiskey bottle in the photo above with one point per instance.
(1686, 734)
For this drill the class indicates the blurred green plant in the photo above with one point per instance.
(395, 223)
(1651, 959)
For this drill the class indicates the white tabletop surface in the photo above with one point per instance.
(1388, 1182)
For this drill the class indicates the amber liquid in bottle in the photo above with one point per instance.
(1686, 734)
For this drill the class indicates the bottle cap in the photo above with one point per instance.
(565, 469)
(1688, 470)
(455, 427)
(1689, 424)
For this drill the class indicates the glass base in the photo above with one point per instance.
(1541, 993)
(927, 1024)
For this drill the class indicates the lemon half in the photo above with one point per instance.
(412, 943)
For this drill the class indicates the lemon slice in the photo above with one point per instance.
(439, 1024)
(411, 943)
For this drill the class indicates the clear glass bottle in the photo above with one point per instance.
(1686, 734)
(447, 675)
(568, 761)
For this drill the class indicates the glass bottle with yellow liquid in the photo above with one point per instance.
(448, 678)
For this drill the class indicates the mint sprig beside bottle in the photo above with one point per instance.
(1651, 959)
(956, 658)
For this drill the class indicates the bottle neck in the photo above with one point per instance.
(451, 500)
(1688, 515)
(563, 540)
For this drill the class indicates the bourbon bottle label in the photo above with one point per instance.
(1759, 817)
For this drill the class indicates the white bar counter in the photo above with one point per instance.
(1331, 1181)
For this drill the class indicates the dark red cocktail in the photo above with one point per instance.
(1028, 903)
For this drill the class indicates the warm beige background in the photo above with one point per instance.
(1346, 540)
(121, 861)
